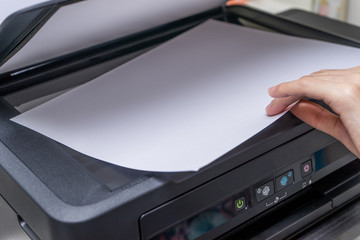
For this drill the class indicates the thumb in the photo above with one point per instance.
(323, 120)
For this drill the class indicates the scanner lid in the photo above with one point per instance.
(50, 29)
(19, 22)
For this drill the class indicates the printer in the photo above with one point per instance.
(49, 191)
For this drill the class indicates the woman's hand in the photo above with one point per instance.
(340, 89)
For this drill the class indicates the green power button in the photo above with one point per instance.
(240, 204)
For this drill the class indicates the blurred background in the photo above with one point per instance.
(344, 10)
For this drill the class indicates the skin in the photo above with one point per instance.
(340, 89)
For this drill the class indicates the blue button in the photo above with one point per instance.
(284, 180)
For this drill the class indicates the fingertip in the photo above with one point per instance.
(273, 109)
(271, 90)
(267, 109)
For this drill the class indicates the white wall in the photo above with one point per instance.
(276, 6)
(353, 12)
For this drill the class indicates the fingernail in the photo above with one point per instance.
(270, 90)
(268, 107)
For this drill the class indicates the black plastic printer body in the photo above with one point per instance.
(282, 180)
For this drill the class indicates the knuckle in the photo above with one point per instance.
(351, 91)
(347, 94)
(321, 71)
(306, 82)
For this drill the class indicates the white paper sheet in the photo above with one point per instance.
(185, 103)
(8, 7)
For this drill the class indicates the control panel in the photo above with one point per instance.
(255, 188)
(271, 191)
(274, 190)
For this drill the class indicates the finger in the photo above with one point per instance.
(236, 2)
(336, 71)
(323, 120)
(279, 105)
(345, 77)
(305, 87)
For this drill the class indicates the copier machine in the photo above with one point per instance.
(49, 191)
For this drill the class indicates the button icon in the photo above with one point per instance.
(240, 204)
(284, 180)
(264, 191)
(306, 168)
